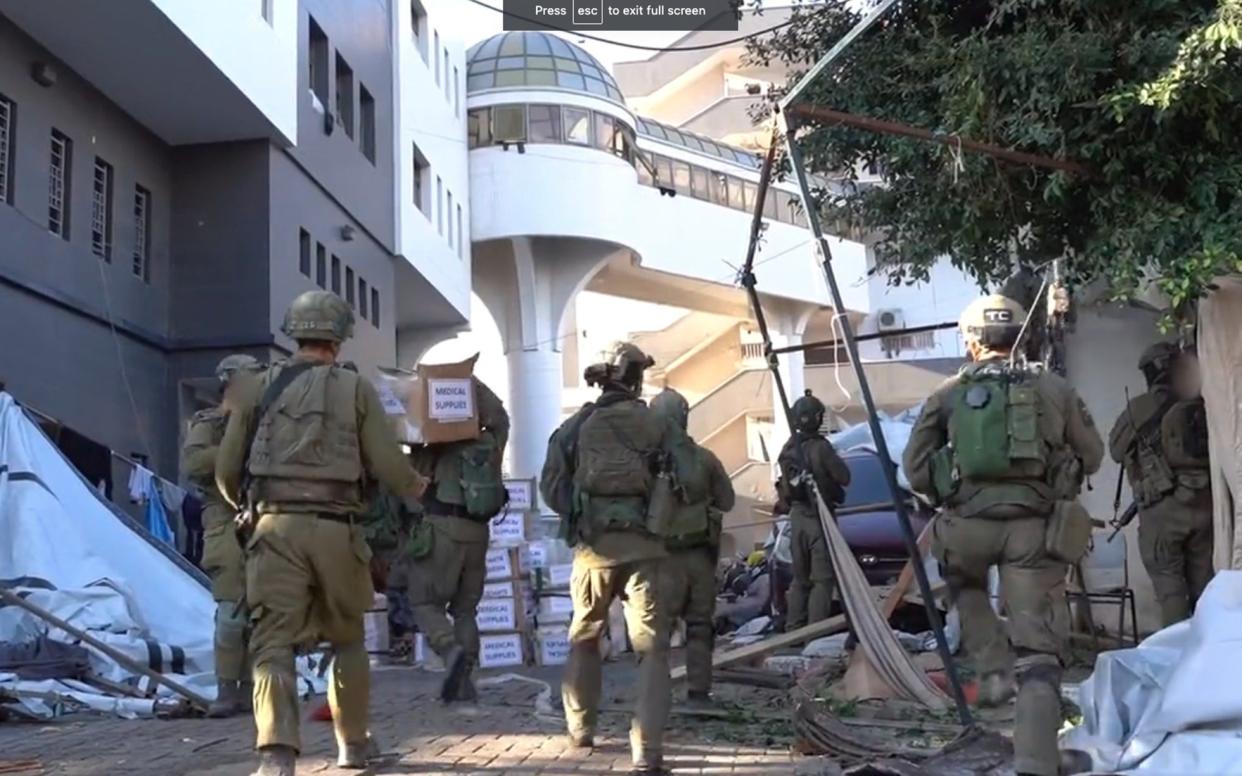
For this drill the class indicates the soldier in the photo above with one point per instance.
(599, 476)
(222, 555)
(295, 456)
(1166, 460)
(693, 542)
(809, 454)
(1004, 450)
(449, 567)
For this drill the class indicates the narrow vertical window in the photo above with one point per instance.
(435, 54)
(349, 286)
(421, 191)
(418, 27)
(439, 205)
(345, 95)
(446, 74)
(456, 92)
(321, 266)
(142, 234)
(101, 210)
(362, 298)
(336, 276)
(449, 217)
(462, 237)
(304, 252)
(8, 120)
(58, 184)
(317, 57)
(265, 8)
(375, 316)
(367, 129)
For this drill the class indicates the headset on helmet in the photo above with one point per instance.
(238, 362)
(808, 412)
(319, 315)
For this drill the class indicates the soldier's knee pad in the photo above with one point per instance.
(1038, 668)
(231, 620)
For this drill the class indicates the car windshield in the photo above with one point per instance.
(867, 485)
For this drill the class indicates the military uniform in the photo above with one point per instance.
(694, 543)
(222, 555)
(811, 592)
(1167, 464)
(307, 568)
(1004, 521)
(452, 575)
(616, 555)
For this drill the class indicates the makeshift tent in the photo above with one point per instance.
(71, 553)
(1220, 354)
(1173, 705)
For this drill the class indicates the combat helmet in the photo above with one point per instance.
(623, 364)
(993, 320)
(319, 315)
(672, 405)
(238, 362)
(808, 413)
(1156, 362)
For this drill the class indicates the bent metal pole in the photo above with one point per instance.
(873, 420)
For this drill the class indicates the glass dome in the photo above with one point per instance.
(514, 60)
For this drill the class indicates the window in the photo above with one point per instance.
(752, 192)
(101, 210)
(545, 123)
(644, 170)
(698, 183)
(769, 205)
(345, 95)
(304, 252)
(719, 184)
(336, 275)
(418, 27)
(349, 286)
(605, 128)
(435, 55)
(317, 55)
(321, 266)
(446, 74)
(8, 121)
(142, 234)
(265, 8)
(439, 205)
(681, 177)
(58, 185)
(664, 172)
(456, 92)
(737, 197)
(449, 211)
(362, 298)
(367, 130)
(375, 316)
(421, 171)
(509, 124)
(577, 125)
(479, 127)
(461, 235)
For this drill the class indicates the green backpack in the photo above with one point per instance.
(469, 474)
(993, 428)
(689, 525)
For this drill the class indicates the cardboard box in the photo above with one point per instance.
(555, 576)
(555, 608)
(502, 563)
(500, 650)
(499, 614)
(508, 529)
(447, 401)
(551, 646)
(504, 589)
(521, 495)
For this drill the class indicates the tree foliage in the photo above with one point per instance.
(1145, 93)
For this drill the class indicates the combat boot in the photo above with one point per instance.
(276, 761)
(356, 756)
(228, 700)
(581, 741)
(457, 664)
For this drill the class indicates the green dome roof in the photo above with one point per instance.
(530, 60)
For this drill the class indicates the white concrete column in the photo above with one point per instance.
(792, 369)
(534, 407)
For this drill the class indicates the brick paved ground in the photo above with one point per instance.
(503, 736)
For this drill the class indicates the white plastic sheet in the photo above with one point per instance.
(896, 430)
(69, 553)
(1173, 705)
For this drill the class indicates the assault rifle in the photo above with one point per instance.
(1126, 517)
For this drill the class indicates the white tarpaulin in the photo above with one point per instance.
(1173, 705)
(66, 551)
(1220, 362)
(896, 432)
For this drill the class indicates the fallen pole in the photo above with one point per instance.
(760, 648)
(8, 596)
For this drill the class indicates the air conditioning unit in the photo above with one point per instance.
(890, 320)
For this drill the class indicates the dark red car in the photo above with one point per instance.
(869, 523)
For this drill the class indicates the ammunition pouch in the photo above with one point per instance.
(421, 541)
(944, 476)
(1154, 478)
(1068, 534)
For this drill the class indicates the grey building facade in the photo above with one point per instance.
(133, 257)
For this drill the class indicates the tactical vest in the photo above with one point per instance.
(1184, 439)
(306, 448)
(467, 476)
(614, 474)
(689, 525)
(1151, 476)
(996, 463)
(215, 420)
